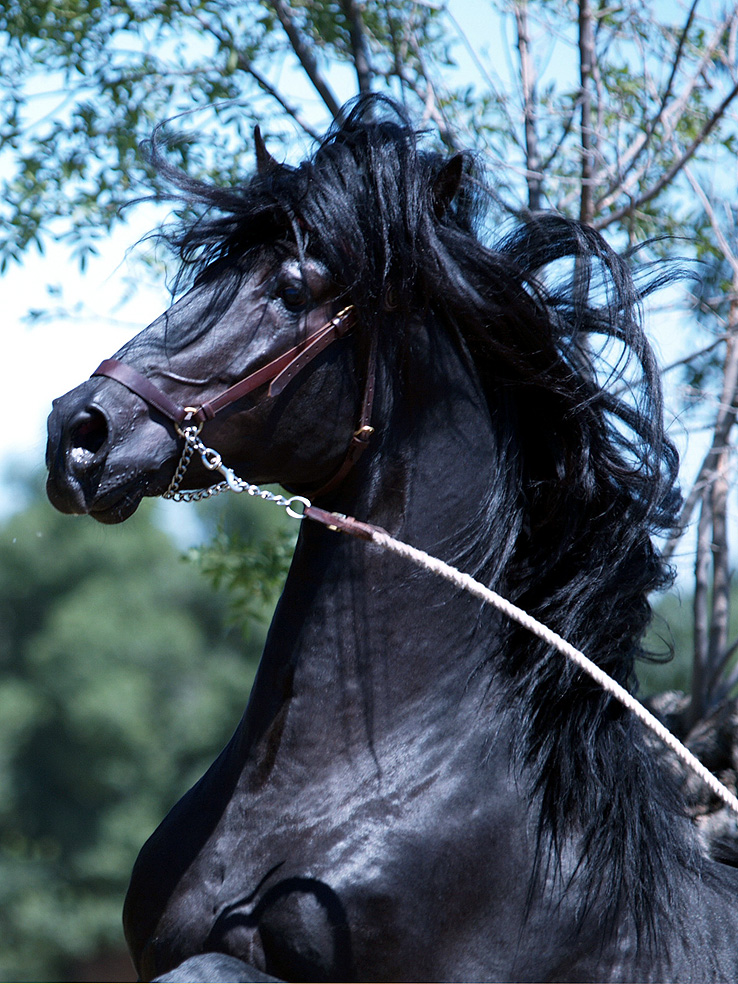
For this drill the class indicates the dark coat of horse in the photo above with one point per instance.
(418, 790)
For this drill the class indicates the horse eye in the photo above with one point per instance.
(294, 296)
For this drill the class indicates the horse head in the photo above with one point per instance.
(286, 269)
(117, 437)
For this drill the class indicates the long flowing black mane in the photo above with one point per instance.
(548, 317)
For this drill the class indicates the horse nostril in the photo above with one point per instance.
(87, 433)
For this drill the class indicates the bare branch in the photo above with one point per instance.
(726, 417)
(644, 140)
(245, 64)
(720, 606)
(676, 167)
(586, 68)
(670, 116)
(527, 76)
(722, 242)
(360, 48)
(698, 701)
(264, 84)
(305, 56)
(732, 679)
(494, 84)
(431, 108)
(693, 355)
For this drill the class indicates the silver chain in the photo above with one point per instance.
(232, 483)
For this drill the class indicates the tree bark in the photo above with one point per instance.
(586, 70)
(305, 56)
(698, 701)
(359, 45)
(528, 81)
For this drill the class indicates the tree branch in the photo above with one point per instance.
(676, 167)
(726, 417)
(245, 64)
(722, 242)
(693, 355)
(431, 108)
(586, 68)
(671, 116)
(720, 605)
(698, 703)
(642, 142)
(731, 680)
(305, 56)
(534, 177)
(359, 46)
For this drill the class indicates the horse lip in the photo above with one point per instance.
(119, 503)
(68, 496)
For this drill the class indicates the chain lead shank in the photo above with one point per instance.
(231, 483)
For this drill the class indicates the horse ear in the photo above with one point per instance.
(264, 160)
(446, 184)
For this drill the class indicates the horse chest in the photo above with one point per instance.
(337, 875)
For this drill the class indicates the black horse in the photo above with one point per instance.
(418, 789)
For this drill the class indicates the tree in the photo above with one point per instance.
(715, 640)
(120, 680)
(620, 115)
(633, 99)
(111, 71)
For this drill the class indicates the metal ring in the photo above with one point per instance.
(306, 503)
(187, 424)
(235, 484)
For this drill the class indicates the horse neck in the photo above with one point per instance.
(354, 620)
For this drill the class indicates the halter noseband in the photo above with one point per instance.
(278, 373)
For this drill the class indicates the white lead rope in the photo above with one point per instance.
(212, 461)
(469, 584)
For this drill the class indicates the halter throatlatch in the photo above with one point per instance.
(277, 373)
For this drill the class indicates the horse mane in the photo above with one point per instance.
(549, 318)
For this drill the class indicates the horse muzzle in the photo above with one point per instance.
(84, 441)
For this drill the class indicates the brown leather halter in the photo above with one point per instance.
(278, 373)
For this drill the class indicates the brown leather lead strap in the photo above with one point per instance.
(343, 524)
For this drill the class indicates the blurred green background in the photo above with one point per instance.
(123, 672)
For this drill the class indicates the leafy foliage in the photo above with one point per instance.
(251, 570)
(111, 71)
(120, 680)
